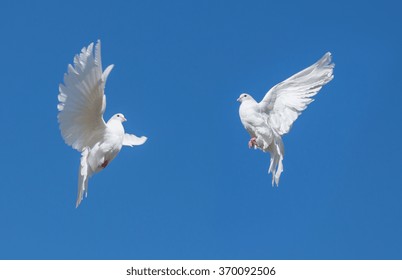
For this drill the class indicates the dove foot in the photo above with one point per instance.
(105, 163)
(252, 143)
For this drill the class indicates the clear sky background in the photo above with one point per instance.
(195, 190)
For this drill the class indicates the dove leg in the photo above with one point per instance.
(252, 143)
(105, 163)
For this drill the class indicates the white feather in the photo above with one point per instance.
(284, 102)
(82, 101)
(83, 176)
(132, 140)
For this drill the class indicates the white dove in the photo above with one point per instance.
(273, 117)
(82, 104)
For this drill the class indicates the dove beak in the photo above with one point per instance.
(124, 119)
(238, 99)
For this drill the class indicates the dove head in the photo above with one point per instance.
(244, 96)
(120, 117)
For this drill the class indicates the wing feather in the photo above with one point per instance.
(82, 101)
(284, 102)
(132, 140)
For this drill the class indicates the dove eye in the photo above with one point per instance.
(118, 116)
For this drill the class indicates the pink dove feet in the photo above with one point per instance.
(252, 143)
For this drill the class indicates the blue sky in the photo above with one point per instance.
(194, 190)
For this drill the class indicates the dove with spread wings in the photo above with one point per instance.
(82, 102)
(273, 117)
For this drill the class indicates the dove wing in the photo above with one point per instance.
(82, 101)
(284, 102)
(132, 140)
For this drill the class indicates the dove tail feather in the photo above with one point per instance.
(276, 151)
(83, 175)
